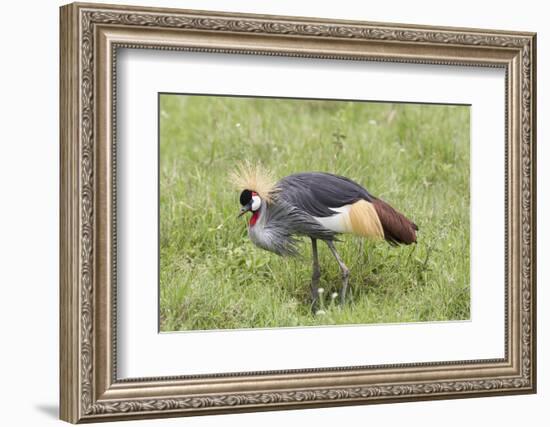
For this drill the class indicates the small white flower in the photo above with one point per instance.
(334, 295)
(320, 313)
(321, 290)
(237, 125)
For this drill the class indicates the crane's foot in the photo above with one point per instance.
(315, 277)
(345, 280)
(343, 269)
(314, 294)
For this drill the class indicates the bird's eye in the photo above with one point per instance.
(246, 195)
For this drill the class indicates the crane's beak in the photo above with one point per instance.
(245, 209)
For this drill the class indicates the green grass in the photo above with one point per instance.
(416, 157)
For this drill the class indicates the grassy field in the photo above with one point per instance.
(416, 157)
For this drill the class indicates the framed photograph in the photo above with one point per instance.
(266, 212)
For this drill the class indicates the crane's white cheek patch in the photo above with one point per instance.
(256, 203)
(339, 223)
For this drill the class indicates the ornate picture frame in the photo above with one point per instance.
(90, 37)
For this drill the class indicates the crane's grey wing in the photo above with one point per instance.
(317, 192)
(284, 222)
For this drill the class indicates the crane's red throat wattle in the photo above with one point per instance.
(254, 218)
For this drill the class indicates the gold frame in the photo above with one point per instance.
(90, 36)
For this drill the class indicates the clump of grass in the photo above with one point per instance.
(416, 157)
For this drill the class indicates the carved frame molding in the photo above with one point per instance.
(90, 37)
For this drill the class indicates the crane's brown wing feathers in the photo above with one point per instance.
(397, 227)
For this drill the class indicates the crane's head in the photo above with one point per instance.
(256, 185)
(250, 201)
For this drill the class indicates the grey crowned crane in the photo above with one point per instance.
(317, 205)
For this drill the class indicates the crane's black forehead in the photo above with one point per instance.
(246, 196)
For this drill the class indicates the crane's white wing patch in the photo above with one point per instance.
(339, 222)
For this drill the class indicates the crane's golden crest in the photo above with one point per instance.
(254, 177)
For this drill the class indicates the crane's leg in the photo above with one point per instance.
(315, 276)
(343, 269)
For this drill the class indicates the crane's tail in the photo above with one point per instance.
(378, 220)
(397, 228)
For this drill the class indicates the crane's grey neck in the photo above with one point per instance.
(258, 217)
(257, 229)
(278, 225)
